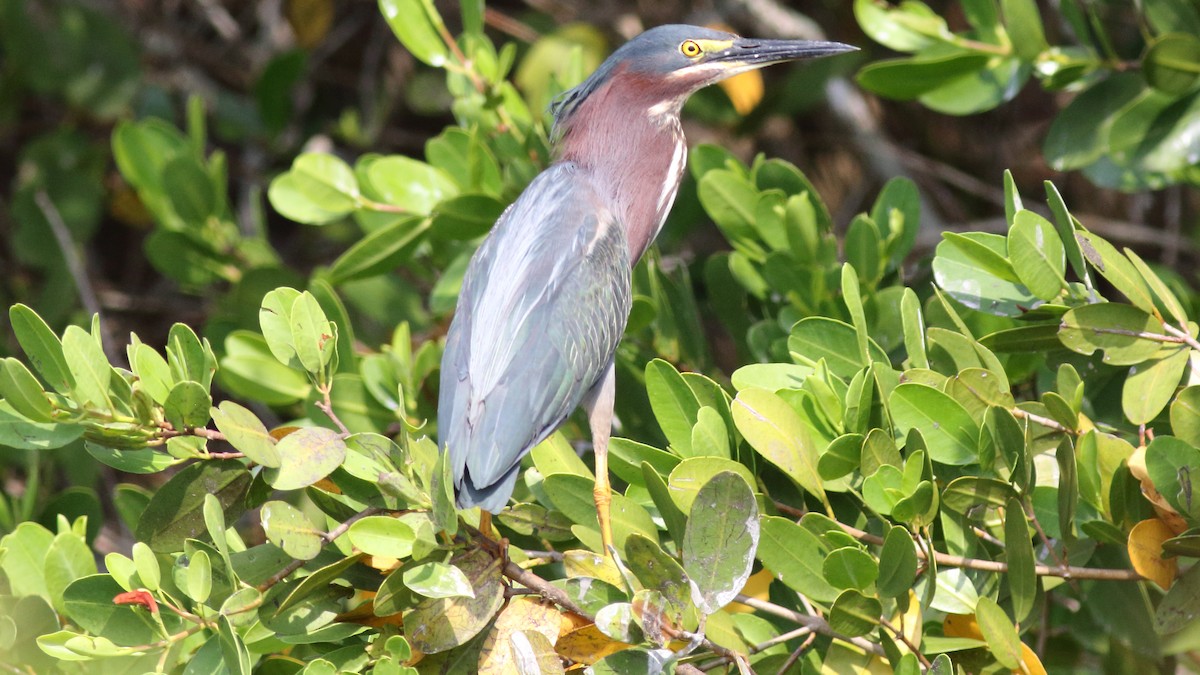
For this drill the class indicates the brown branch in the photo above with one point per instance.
(1060, 571)
(816, 623)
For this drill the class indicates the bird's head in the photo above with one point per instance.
(670, 62)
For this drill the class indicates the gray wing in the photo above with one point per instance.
(544, 303)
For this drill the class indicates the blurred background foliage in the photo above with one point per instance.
(165, 162)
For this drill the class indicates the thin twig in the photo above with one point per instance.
(328, 537)
(1183, 336)
(1067, 572)
(816, 623)
(71, 255)
(915, 649)
(1038, 419)
(326, 406)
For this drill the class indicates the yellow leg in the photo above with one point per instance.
(599, 406)
(485, 525)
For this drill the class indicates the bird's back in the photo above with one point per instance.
(543, 305)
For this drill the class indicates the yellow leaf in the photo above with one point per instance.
(522, 613)
(310, 20)
(1032, 664)
(757, 586)
(1145, 552)
(587, 645)
(579, 563)
(961, 625)
(964, 625)
(909, 622)
(745, 91)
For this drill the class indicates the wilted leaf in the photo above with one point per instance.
(176, 511)
(436, 625)
(1146, 554)
(305, 457)
(720, 540)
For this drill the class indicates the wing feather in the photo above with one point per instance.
(543, 305)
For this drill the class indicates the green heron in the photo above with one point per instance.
(546, 297)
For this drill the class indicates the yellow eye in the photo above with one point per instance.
(690, 49)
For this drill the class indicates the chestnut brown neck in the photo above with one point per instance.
(633, 146)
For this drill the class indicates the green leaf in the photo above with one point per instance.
(906, 79)
(289, 529)
(445, 515)
(1174, 467)
(850, 567)
(131, 461)
(89, 368)
(187, 406)
(796, 556)
(1022, 578)
(68, 558)
(176, 511)
(1172, 64)
(417, 24)
(658, 571)
(776, 432)
(246, 433)
(250, 370)
(1161, 291)
(770, 376)
(380, 251)
(24, 558)
(999, 632)
(306, 456)
(190, 189)
(709, 436)
(914, 329)
(1117, 269)
(974, 270)
(573, 495)
(410, 184)
(1122, 331)
(1179, 607)
(1150, 386)
(1037, 255)
(625, 459)
(720, 540)
(947, 427)
(908, 27)
(88, 602)
(42, 348)
(673, 517)
(897, 563)
(817, 337)
(318, 189)
(190, 358)
(854, 614)
(199, 576)
(1079, 134)
(16, 431)
(438, 580)
(466, 216)
(1023, 22)
(382, 536)
(674, 404)
(731, 200)
(1185, 415)
(967, 492)
(22, 391)
(312, 335)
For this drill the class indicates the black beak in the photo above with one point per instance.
(764, 52)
